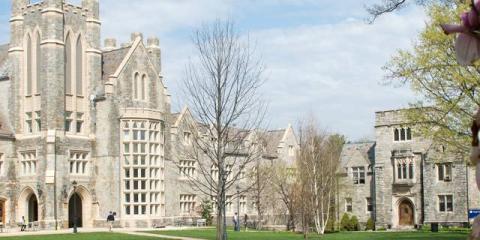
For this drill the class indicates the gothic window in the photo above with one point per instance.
(402, 134)
(358, 175)
(143, 88)
(28, 162)
(28, 122)
(369, 205)
(135, 84)
(79, 67)
(405, 168)
(228, 170)
(142, 163)
(68, 65)
(214, 172)
(79, 163)
(187, 168)
(444, 172)
(445, 203)
(243, 204)
(348, 205)
(187, 203)
(187, 138)
(38, 63)
(28, 66)
(291, 151)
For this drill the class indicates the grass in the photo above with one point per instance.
(210, 234)
(82, 236)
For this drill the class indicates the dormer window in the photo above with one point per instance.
(402, 134)
(291, 151)
(187, 138)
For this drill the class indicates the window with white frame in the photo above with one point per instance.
(444, 172)
(402, 134)
(28, 122)
(228, 169)
(405, 168)
(28, 163)
(79, 163)
(143, 169)
(369, 205)
(187, 203)
(358, 175)
(291, 151)
(228, 204)
(187, 168)
(243, 204)
(445, 203)
(214, 172)
(187, 138)
(2, 164)
(348, 205)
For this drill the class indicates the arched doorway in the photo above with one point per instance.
(405, 213)
(75, 210)
(2, 212)
(32, 209)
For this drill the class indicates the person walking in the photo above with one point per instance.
(23, 224)
(110, 221)
(235, 222)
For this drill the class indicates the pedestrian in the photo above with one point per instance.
(23, 224)
(110, 220)
(235, 222)
(245, 220)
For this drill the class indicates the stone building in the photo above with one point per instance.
(403, 180)
(91, 126)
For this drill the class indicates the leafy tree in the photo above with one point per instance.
(370, 224)
(354, 225)
(448, 91)
(345, 222)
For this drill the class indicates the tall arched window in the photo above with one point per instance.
(143, 86)
(79, 67)
(136, 81)
(28, 85)
(68, 65)
(397, 135)
(38, 63)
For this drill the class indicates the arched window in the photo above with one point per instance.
(68, 65)
(28, 87)
(144, 86)
(79, 67)
(409, 134)
(397, 135)
(410, 170)
(136, 79)
(38, 63)
(402, 134)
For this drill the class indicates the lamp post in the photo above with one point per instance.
(74, 184)
(237, 228)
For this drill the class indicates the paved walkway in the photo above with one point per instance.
(130, 231)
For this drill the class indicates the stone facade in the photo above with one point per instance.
(410, 180)
(91, 124)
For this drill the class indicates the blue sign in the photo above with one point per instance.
(473, 213)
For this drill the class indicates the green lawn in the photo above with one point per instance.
(210, 234)
(82, 236)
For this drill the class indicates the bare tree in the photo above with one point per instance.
(283, 181)
(317, 165)
(388, 6)
(222, 88)
(260, 191)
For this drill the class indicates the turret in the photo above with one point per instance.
(93, 8)
(110, 44)
(18, 6)
(154, 51)
(56, 4)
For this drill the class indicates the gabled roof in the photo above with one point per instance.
(272, 140)
(358, 151)
(112, 60)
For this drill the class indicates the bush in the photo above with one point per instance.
(206, 210)
(370, 225)
(345, 223)
(354, 224)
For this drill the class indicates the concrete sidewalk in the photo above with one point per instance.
(130, 231)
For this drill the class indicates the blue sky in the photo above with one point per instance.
(321, 56)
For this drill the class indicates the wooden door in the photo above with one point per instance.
(2, 212)
(405, 213)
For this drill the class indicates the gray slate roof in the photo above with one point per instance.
(111, 60)
(272, 140)
(366, 150)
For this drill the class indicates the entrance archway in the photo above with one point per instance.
(2, 212)
(75, 211)
(405, 213)
(32, 209)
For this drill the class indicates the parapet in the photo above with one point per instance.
(110, 44)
